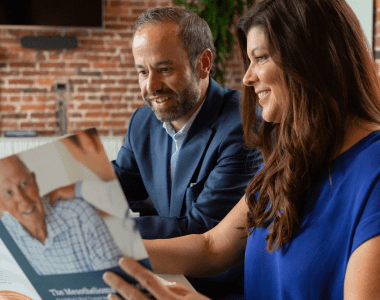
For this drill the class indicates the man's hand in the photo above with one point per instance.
(62, 193)
(91, 154)
(149, 281)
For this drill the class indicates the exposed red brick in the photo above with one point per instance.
(103, 34)
(125, 34)
(97, 114)
(103, 132)
(35, 73)
(20, 81)
(89, 106)
(128, 19)
(52, 65)
(114, 123)
(61, 73)
(33, 107)
(104, 65)
(10, 91)
(7, 108)
(92, 42)
(104, 50)
(20, 32)
(110, 18)
(115, 90)
(121, 115)
(9, 41)
(117, 11)
(137, 105)
(137, 11)
(120, 4)
(103, 81)
(78, 98)
(79, 81)
(116, 27)
(41, 98)
(32, 124)
(128, 81)
(22, 64)
(45, 81)
(115, 106)
(100, 71)
(118, 43)
(14, 116)
(114, 73)
(75, 115)
(53, 57)
(8, 124)
(87, 124)
(88, 90)
(79, 65)
(10, 73)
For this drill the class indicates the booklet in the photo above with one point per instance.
(64, 220)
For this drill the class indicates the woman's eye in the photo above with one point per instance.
(261, 57)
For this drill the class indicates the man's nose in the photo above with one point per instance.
(154, 83)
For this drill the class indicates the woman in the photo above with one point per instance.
(313, 211)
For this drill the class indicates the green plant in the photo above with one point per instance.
(220, 16)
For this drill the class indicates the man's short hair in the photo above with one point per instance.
(194, 32)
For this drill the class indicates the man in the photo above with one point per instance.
(67, 237)
(184, 149)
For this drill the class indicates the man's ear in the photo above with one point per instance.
(205, 63)
(33, 177)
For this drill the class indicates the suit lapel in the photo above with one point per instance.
(160, 162)
(194, 146)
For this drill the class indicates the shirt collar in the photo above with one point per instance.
(185, 129)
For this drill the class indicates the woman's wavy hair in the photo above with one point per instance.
(331, 76)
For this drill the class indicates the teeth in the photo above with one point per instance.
(160, 100)
(262, 94)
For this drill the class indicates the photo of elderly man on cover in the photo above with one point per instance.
(63, 236)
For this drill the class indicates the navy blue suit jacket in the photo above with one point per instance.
(212, 171)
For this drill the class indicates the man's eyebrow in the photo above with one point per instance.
(157, 64)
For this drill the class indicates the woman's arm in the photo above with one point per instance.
(362, 279)
(203, 255)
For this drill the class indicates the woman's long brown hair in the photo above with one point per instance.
(331, 76)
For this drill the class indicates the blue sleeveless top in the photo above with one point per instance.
(336, 220)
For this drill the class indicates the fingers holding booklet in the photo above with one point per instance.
(64, 246)
(148, 282)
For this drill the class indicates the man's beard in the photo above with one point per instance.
(186, 100)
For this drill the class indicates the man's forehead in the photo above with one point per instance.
(153, 33)
(10, 166)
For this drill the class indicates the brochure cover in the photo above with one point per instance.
(64, 220)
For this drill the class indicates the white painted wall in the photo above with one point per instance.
(364, 11)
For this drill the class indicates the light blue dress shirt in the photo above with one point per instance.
(178, 138)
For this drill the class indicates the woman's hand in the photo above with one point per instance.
(149, 281)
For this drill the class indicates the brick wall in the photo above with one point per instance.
(100, 73)
(104, 90)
